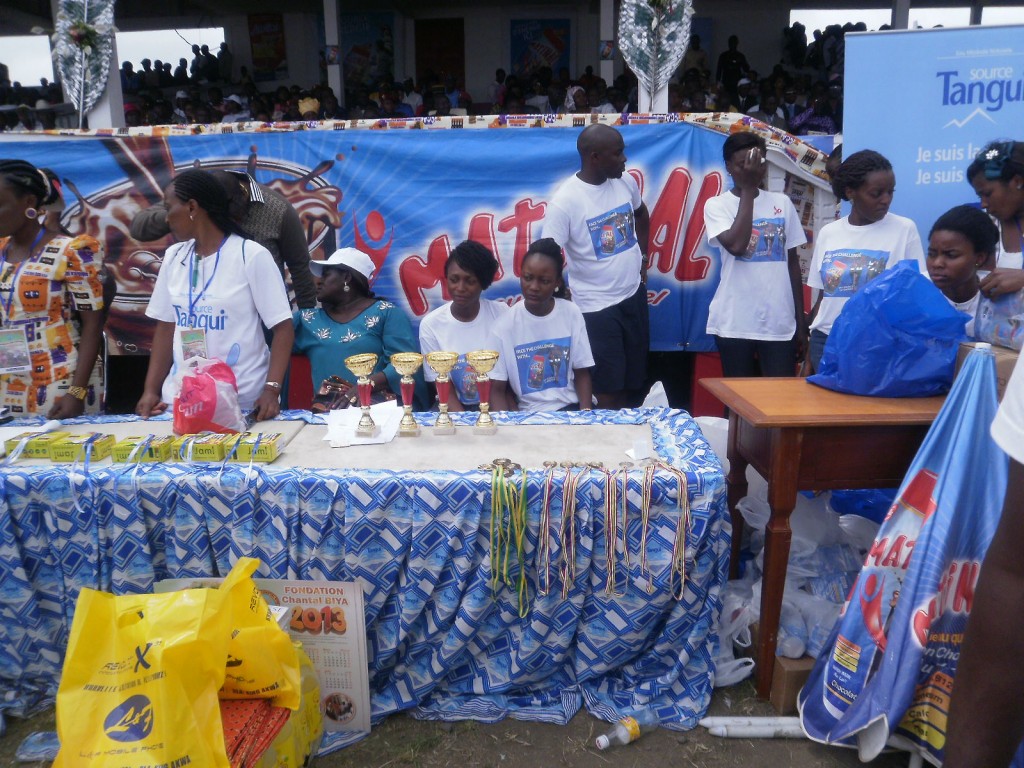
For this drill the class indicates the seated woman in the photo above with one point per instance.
(465, 323)
(997, 175)
(352, 320)
(216, 287)
(545, 356)
(962, 240)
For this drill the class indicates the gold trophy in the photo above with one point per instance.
(483, 361)
(362, 366)
(407, 363)
(442, 364)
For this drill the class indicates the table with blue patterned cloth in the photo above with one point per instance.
(441, 643)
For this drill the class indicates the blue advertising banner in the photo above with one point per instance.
(536, 43)
(957, 90)
(406, 198)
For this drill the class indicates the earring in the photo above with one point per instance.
(346, 288)
(31, 213)
(191, 217)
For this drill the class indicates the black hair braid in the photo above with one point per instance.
(854, 171)
(29, 180)
(210, 195)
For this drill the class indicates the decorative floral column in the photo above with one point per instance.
(83, 43)
(653, 35)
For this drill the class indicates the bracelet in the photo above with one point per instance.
(274, 385)
(78, 393)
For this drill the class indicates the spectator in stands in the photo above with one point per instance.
(769, 112)
(233, 110)
(195, 68)
(130, 80)
(411, 97)
(962, 240)
(695, 56)
(466, 323)
(497, 91)
(225, 63)
(732, 65)
(817, 118)
(150, 77)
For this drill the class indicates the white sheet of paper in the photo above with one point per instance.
(341, 425)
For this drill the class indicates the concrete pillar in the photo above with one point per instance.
(332, 37)
(109, 110)
(900, 14)
(976, 8)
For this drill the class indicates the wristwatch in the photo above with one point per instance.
(274, 385)
(78, 393)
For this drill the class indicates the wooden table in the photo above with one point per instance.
(803, 437)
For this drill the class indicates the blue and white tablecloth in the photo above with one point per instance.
(440, 643)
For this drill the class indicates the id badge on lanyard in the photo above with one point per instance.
(14, 353)
(193, 343)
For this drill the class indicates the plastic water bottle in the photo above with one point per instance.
(629, 729)
(792, 639)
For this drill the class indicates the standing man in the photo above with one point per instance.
(601, 223)
(267, 217)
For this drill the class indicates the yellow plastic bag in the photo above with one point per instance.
(262, 662)
(140, 680)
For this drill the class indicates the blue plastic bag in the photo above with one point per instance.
(896, 337)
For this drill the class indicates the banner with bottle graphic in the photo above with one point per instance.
(957, 90)
(408, 191)
(536, 43)
(887, 672)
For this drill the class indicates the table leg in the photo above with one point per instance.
(737, 489)
(782, 481)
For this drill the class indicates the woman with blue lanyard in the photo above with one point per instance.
(213, 290)
(45, 360)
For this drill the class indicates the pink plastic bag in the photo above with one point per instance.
(207, 400)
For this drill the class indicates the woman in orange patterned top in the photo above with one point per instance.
(45, 360)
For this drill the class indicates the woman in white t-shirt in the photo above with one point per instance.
(962, 240)
(853, 251)
(215, 287)
(997, 175)
(465, 323)
(544, 351)
(757, 313)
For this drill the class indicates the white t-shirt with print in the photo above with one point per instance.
(440, 331)
(595, 225)
(539, 354)
(969, 307)
(1008, 259)
(754, 299)
(235, 289)
(846, 258)
(1008, 425)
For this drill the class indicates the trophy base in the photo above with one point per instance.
(485, 429)
(409, 431)
(373, 431)
(448, 429)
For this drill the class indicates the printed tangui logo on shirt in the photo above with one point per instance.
(845, 271)
(767, 241)
(543, 364)
(612, 232)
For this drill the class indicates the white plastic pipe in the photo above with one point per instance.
(757, 731)
(710, 722)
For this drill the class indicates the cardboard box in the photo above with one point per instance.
(76, 447)
(1006, 359)
(207, 446)
(158, 449)
(789, 677)
(37, 446)
(269, 448)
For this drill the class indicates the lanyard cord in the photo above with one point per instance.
(194, 280)
(14, 278)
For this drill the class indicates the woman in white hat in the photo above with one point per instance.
(352, 320)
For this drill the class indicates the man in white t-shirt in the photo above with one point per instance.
(599, 220)
(986, 718)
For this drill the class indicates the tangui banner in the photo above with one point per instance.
(406, 195)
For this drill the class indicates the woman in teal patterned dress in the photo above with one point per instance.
(350, 321)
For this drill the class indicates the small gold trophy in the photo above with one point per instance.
(483, 361)
(407, 363)
(362, 366)
(442, 364)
